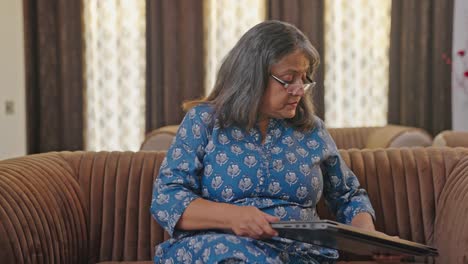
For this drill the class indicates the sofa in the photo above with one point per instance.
(388, 136)
(345, 138)
(87, 207)
(450, 138)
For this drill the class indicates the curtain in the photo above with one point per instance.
(115, 74)
(308, 16)
(420, 80)
(54, 75)
(356, 62)
(225, 21)
(175, 70)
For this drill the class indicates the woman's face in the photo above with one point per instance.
(276, 101)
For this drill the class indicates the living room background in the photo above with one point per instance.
(355, 59)
(53, 107)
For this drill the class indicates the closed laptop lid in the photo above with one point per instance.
(339, 236)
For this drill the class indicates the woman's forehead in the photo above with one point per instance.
(294, 62)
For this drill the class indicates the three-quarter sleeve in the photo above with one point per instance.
(342, 191)
(178, 182)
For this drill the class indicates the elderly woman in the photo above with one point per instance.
(253, 153)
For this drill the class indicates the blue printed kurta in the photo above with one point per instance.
(285, 176)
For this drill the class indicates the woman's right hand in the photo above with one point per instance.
(249, 221)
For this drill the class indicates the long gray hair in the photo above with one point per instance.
(244, 74)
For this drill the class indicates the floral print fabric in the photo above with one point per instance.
(285, 175)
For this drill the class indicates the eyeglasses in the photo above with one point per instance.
(296, 88)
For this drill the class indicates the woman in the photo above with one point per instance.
(253, 153)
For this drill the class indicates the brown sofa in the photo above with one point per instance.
(449, 138)
(345, 138)
(86, 207)
(389, 136)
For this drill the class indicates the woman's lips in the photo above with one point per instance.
(293, 104)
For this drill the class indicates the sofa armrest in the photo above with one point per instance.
(451, 228)
(41, 213)
(449, 138)
(159, 139)
(398, 136)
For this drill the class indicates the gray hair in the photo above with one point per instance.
(244, 74)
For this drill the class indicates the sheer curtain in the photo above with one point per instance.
(225, 22)
(115, 74)
(357, 39)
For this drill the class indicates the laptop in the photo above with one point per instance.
(343, 237)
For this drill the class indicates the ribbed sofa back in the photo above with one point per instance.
(86, 207)
(419, 194)
(405, 186)
(117, 191)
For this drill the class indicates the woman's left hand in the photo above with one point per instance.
(364, 221)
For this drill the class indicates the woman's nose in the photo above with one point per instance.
(298, 90)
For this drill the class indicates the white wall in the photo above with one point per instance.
(460, 65)
(12, 80)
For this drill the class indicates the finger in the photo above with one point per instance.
(270, 218)
(256, 230)
(268, 231)
(241, 230)
(249, 228)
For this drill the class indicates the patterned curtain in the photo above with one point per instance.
(225, 22)
(357, 39)
(115, 74)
